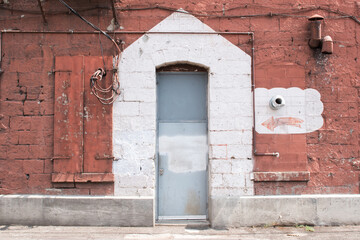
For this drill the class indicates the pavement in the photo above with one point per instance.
(176, 232)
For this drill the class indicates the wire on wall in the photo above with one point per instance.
(102, 93)
(273, 13)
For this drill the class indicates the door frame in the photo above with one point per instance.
(186, 217)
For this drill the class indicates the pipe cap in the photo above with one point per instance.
(315, 17)
(327, 39)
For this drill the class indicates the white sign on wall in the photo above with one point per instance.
(300, 114)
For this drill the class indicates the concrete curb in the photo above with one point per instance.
(322, 210)
(46, 210)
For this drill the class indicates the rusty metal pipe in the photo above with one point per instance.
(327, 45)
(274, 154)
(315, 30)
(120, 32)
(315, 34)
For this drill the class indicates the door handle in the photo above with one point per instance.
(161, 171)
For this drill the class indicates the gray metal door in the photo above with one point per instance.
(182, 145)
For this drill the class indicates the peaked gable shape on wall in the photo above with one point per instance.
(181, 21)
(229, 106)
(194, 47)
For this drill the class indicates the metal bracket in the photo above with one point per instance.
(104, 157)
(60, 157)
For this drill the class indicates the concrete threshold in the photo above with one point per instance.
(188, 224)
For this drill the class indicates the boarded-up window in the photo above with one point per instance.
(82, 125)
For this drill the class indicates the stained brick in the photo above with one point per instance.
(347, 94)
(12, 108)
(31, 79)
(33, 166)
(20, 123)
(31, 108)
(33, 93)
(19, 152)
(40, 181)
(40, 151)
(30, 137)
(264, 24)
(43, 123)
(3, 152)
(46, 107)
(26, 65)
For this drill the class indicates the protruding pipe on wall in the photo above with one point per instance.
(315, 30)
(276, 102)
(327, 45)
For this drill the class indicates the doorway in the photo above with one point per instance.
(182, 145)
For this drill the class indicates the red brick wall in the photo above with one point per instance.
(330, 154)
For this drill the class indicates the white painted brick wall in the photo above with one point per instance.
(229, 107)
(218, 151)
(225, 110)
(241, 166)
(230, 137)
(148, 109)
(230, 80)
(121, 109)
(219, 124)
(243, 123)
(220, 166)
(139, 94)
(216, 180)
(234, 180)
(135, 181)
(239, 150)
(136, 123)
(124, 166)
(137, 80)
(232, 95)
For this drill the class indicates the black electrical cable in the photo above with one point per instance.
(246, 6)
(102, 54)
(92, 25)
(96, 89)
(89, 23)
(52, 12)
(285, 14)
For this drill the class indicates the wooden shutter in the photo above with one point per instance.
(82, 125)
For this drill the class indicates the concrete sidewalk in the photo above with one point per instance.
(177, 232)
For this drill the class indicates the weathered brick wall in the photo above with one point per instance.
(27, 96)
(27, 82)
